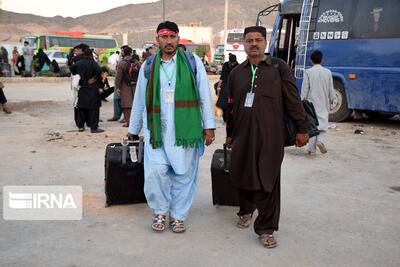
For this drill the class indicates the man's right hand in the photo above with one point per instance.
(229, 142)
(118, 92)
(133, 137)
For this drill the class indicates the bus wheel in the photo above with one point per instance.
(339, 110)
(375, 115)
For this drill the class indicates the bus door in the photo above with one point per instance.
(286, 32)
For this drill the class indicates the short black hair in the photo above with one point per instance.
(168, 25)
(104, 69)
(232, 57)
(127, 51)
(82, 46)
(259, 29)
(316, 57)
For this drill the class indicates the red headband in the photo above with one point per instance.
(166, 31)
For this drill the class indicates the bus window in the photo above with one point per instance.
(54, 41)
(377, 19)
(76, 41)
(235, 37)
(90, 42)
(64, 41)
(105, 43)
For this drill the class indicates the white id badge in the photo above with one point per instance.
(249, 100)
(169, 96)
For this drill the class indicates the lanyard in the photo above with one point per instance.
(169, 77)
(253, 75)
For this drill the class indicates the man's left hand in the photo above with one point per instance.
(301, 139)
(209, 136)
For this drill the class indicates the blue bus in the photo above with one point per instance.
(360, 40)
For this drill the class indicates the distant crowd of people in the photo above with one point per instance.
(26, 64)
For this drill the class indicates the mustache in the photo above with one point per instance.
(254, 47)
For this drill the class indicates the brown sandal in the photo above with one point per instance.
(268, 241)
(177, 226)
(244, 221)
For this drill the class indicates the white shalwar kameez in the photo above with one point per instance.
(317, 87)
(170, 171)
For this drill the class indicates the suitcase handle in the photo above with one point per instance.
(141, 150)
(225, 159)
(125, 147)
(125, 144)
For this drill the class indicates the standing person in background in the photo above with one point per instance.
(145, 54)
(135, 56)
(14, 61)
(27, 52)
(317, 88)
(113, 60)
(88, 95)
(75, 55)
(117, 98)
(4, 55)
(222, 86)
(124, 84)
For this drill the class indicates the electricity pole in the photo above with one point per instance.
(226, 21)
(163, 10)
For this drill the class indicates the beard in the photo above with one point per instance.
(169, 49)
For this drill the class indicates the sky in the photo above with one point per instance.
(65, 8)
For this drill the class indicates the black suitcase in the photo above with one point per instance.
(224, 192)
(124, 181)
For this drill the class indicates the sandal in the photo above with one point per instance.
(158, 223)
(177, 226)
(244, 221)
(268, 241)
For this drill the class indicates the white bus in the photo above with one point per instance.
(234, 44)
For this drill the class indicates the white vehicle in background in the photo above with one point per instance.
(234, 44)
(58, 56)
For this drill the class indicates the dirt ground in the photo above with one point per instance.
(338, 209)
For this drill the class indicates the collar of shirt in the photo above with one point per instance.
(173, 59)
(267, 60)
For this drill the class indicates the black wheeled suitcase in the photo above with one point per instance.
(224, 192)
(124, 173)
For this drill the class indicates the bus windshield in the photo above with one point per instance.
(235, 37)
